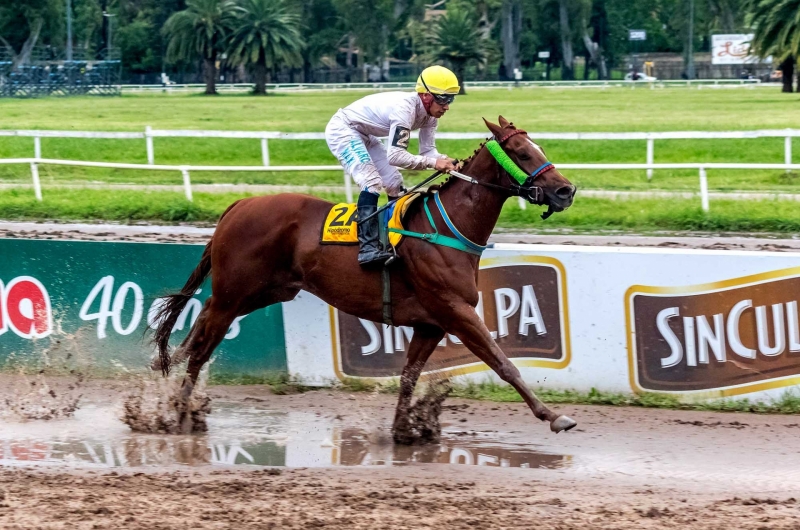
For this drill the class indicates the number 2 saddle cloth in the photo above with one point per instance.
(340, 225)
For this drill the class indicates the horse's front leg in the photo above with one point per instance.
(423, 343)
(468, 327)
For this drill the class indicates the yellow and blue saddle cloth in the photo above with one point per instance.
(340, 225)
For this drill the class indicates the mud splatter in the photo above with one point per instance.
(33, 398)
(156, 406)
(422, 422)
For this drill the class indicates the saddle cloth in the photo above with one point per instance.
(339, 227)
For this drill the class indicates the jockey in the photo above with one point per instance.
(352, 135)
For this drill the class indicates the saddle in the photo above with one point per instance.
(339, 227)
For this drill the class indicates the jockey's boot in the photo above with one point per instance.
(371, 251)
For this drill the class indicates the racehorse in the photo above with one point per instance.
(266, 249)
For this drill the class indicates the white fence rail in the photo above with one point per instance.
(405, 85)
(264, 136)
(185, 171)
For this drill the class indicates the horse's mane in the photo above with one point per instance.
(464, 163)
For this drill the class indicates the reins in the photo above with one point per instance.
(518, 177)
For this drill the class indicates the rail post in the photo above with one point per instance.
(650, 149)
(265, 151)
(703, 189)
(787, 151)
(37, 147)
(348, 188)
(187, 183)
(37, 186)
(148, 136)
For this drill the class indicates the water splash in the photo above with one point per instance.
(33, 398)
(157, 406)
(421, 424)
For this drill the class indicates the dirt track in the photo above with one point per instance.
(201, 233)
(621, 468)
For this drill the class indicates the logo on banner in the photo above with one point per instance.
(733, 49)
(25, 308)
(735, 336)
(523, 301)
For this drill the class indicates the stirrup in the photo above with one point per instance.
(376, 259)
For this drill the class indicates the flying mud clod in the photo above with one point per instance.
(157, 406)
(421, 424)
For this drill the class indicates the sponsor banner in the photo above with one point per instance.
(95, 302)
(703, 324)
(522, 300)
(735, 335)
(732, 49)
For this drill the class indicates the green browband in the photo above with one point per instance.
(506, 162)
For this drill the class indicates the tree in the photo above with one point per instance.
(777, 33)
(510, 34)
(320, 24)
(267, 35)
(200, 30)
(368, 23)
(458, 41)
(23, 25)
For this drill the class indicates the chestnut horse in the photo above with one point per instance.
(266, 249)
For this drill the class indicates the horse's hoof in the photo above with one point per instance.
(562, 423)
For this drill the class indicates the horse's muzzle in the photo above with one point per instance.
(559, 200)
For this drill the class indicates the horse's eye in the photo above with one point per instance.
(524, 156)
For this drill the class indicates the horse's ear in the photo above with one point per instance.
(497, 131)
(503, 122)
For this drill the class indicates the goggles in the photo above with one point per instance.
(444, 99)
(441, 99)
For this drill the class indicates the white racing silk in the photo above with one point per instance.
(352, 135)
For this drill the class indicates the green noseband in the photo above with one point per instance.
(506, 162)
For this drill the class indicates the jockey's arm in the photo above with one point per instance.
(427, 143)
(397, 151)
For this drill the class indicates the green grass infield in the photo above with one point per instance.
(587, 214)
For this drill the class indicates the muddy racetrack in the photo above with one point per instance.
(324, 459)
(330, 464)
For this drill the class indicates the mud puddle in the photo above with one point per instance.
(245, 435)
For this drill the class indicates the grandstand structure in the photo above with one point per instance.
(46, 73)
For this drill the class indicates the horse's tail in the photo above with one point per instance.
(174, 304)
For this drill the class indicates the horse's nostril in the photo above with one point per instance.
(565, 192)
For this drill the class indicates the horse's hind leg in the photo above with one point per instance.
(422, 346)
(208, 331)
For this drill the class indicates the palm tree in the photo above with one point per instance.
(267, 34)
(200, 29)
(458, 41)
(777, 33)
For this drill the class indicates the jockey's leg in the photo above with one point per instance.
(349, 147)
(371, 250)
(391, 178)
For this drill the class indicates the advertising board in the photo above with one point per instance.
(94, 303)
(732, 49)
(698, 324)
(522, 300)
(734, 336)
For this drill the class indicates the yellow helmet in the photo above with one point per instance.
(438, 81)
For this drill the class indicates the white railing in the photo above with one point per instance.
(264, 136)
(406, 85)
(187, 185)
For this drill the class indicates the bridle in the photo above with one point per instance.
(521, 183)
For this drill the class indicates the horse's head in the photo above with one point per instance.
(536, 170)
